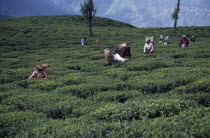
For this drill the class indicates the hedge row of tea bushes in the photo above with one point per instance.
(177, 123)
(165, 94)
(39, 114)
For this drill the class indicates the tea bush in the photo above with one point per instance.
(5, 109)
(14, 122)
(58, 106)
(119, 96)
(201, 98)
(139, 109)
(159, 127)
(201, 85)
(88, 89)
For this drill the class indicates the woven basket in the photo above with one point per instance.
(109, 59)
(44, 66)
(151, 38)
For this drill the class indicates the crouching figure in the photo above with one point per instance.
(161, 39)
(184, 42)
(122, 52)
(165, 40)
(40, 71)
(148, 47)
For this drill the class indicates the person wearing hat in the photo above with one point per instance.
(165, 40)
(38, 73)
(122, 52)
(148, 47)
(192, 38)
(161, 39)
(184, 42)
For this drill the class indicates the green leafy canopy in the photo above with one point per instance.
(175, 14)
(87, 9)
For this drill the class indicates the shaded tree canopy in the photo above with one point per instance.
(175, 14)
(88, 11)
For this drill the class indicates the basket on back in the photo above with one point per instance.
(108, 57)
(44, 67)
(151, 38)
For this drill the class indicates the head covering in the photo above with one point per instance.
(192, 36)
(147, 40)
(184, 36)
(39, 67)
(122, 45)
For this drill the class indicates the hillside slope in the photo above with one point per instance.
(165, 94)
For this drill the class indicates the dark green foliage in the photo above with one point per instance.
(14, 122)
(164, 94)
(137, 110)
(175, 14)
(54, 106)
(200, 85)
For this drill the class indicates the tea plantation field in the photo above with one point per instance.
(164, 94)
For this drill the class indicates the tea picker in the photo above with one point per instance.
(165, 40)
(122, 53)
(192, 39)
(84, 41)
(40, 71)
(184, 42)
(149, 45)
(98, 41)
(161, 39)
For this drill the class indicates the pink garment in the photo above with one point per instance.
(36, 74)
(184, 42)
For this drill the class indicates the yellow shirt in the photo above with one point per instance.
(98, 42)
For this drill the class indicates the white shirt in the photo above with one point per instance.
(148, 46)
(117, 57)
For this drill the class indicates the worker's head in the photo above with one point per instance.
(148, 41)
(184, 37)
(39, 68)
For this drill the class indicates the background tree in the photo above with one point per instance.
(175, 15)
(88, 11)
